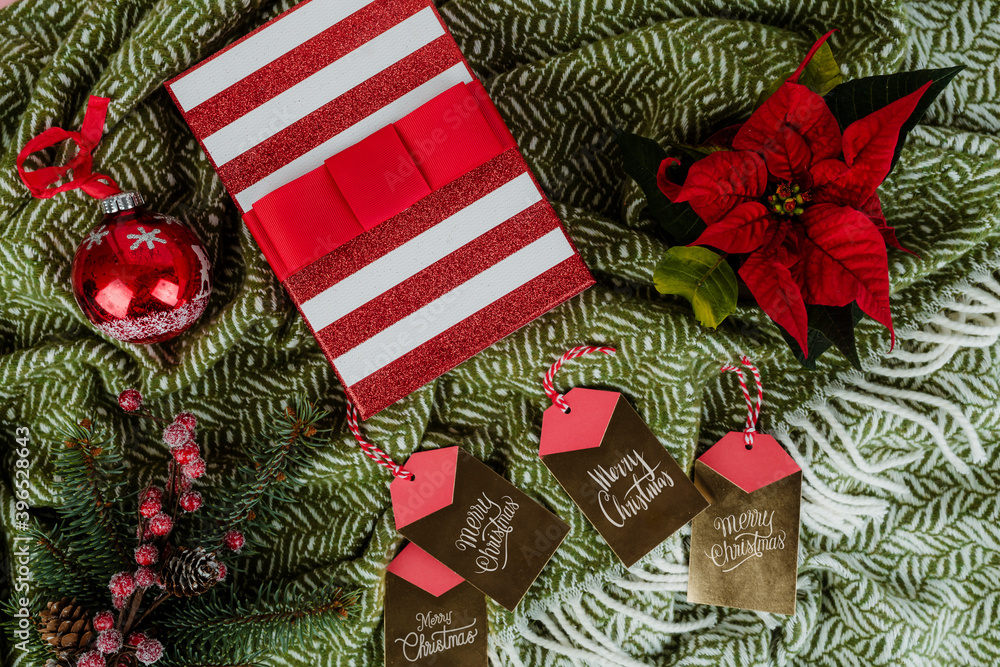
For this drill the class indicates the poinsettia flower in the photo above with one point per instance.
(799, 197)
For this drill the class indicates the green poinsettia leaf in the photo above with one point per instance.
(691, 151)
(857, 98)
(821, 75)
(701, 276)
(829, 326)
(641, 158)
(818, 344)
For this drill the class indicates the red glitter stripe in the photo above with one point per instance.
(339, 114)
(299, 64)
(466, 339)
(436, 280)
(218, 53)
(429, 211)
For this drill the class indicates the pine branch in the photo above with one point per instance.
(277, 617)
(32, 649)
(58, 568)
(264, 483)
(92, 476)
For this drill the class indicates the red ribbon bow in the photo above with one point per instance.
(95, 185)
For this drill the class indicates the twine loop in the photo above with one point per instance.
(753, 411)
(547, 381)
(377, 455)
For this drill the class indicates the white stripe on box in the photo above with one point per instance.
(409, 259)
(261, 48)
(452, 308)
(326, 85)
(386, 115)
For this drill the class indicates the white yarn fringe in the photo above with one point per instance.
(970, 320)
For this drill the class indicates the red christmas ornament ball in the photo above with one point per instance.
(140, 276)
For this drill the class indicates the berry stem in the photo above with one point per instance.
(156, 603)
(148, 415)
(136, 601)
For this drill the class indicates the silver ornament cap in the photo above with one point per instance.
(122, 201)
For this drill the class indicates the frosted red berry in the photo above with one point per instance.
(135, 638)
(190, 501)
(104, 620)
(150, 507)
(186, 453)
(234, 540)
(118, 601)
(176, 435)
(109, 641)
(122, 584)
(223, 571)
(149, 651)
(145, 577)
(147, 554)
(161, 524)
(152, 492)
(186, 419)
(195, 469)
(130, 400)
(91, 659)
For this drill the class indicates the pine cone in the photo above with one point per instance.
(190, 572)
(66, 627)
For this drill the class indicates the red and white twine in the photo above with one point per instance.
(547, 381)
(753, 412)
(371, 451)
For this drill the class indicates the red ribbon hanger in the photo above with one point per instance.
(39, 182)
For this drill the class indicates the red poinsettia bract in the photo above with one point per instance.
(800, 198)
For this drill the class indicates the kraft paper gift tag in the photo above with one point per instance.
(617, 471)
(744, 547)
(432, 615)
(475, 522)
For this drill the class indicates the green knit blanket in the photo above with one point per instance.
(901, 495)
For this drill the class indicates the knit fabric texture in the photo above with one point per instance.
(899, 559)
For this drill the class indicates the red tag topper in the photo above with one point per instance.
(750, 460)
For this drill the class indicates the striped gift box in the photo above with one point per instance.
(383, 188)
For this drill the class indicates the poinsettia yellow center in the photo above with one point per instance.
(788, 199)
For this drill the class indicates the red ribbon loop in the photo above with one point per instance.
(39, 182)
(547, 381)
(753, 412)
